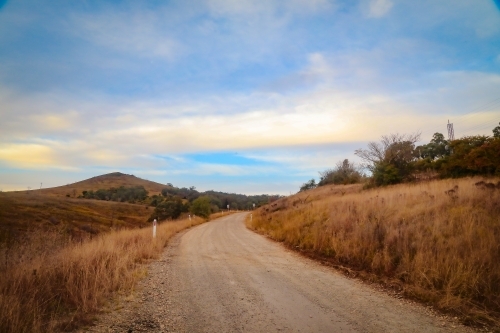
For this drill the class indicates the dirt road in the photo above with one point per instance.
(221, 277)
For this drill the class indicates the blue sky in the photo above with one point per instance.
(238, 96)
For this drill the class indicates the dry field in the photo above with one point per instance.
(48, 283)
(437, 241)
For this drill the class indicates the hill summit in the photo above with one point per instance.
(106, 181)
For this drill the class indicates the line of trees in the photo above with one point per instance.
(122, 194)
(173, 201)
(218, 200)
(396, 158)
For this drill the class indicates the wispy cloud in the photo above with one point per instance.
(139, 33)
(378, 8)
(294, 86)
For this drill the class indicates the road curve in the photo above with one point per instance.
(221, 277)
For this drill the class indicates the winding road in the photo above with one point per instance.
(222, 277)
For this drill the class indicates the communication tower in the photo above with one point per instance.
(451, 132)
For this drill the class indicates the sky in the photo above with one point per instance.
(234, 95)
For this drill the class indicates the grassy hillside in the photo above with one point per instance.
(21, 212)
(115, 179)
(52, 210)
(436, 241)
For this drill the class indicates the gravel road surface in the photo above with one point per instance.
(221, 277)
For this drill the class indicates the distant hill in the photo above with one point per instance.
(114, 179)
(58, 208)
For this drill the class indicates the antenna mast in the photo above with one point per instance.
(451, 132)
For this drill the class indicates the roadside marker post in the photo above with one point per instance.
(154, 228)
(189, 217)
(251, 217)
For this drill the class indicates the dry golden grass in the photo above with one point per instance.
(20, 212)
(48, 283)
(441, 248)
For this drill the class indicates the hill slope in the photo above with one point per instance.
(20, 212)
(58, 208)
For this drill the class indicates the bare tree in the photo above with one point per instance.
(391, 148)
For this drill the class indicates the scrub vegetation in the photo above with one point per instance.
(436, 241)
(397, 159)
(49, 282)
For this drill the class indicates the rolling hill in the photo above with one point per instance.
(114, 179)
(59, 209)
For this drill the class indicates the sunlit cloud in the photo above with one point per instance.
(31, 156)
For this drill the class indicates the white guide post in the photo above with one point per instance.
(154, 228)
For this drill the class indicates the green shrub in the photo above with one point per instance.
(201, 207)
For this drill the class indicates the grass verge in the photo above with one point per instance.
(49, 285)
(436, 241)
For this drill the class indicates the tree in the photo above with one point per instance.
(471, 155)
(485, 159)
(170, 209)
(386, 174)
(496, 132)
(155, 200)
(201, 206)
(438, 147)
(377, 152)
(390, 160)
(309, 185)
